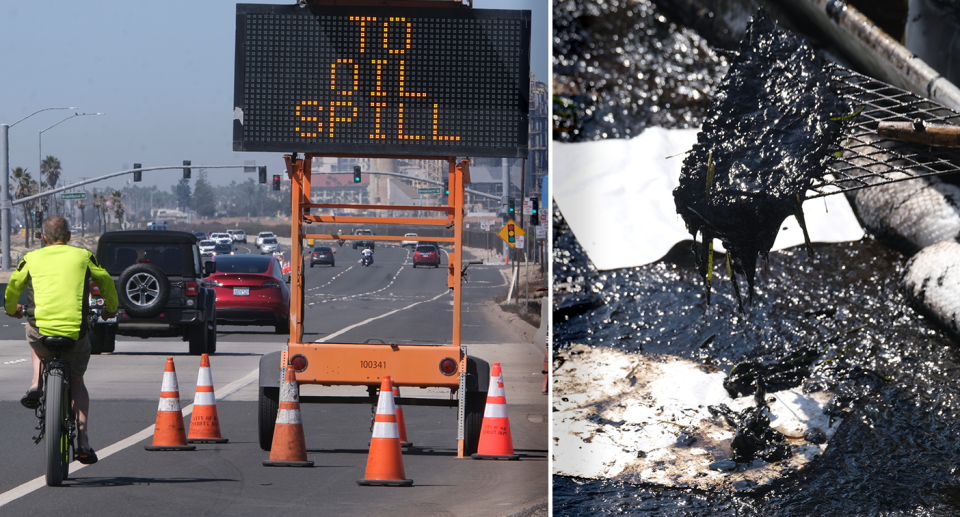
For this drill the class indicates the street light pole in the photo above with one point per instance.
(5, 204)
(40, 139)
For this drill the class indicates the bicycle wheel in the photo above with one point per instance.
(56, 446)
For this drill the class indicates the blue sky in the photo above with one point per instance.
(161, 72)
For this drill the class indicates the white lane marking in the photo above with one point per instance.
(40, 482)
(15, 362)
(331, 280)
(341, 298)
(364, 322)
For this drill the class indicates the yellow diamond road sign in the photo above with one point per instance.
(510, 232)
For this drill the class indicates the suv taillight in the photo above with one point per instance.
(94, 290)
(191, 288)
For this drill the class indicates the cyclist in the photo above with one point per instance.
(57, 281)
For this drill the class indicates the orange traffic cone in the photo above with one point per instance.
(495, 440)
(204, 424)
(169, 435)
(289, 447)
(385, 462)
(400, 424)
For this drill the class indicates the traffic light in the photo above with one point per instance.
(38, 217)
(356, 174)
(276, 182)
(511, 233)
(446, 187)
(137, 174)
(511, 208)
(534, 211)
(186, 169)
(263, 173)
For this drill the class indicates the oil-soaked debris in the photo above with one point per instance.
(778, 374)
(772, 128)
(653, 419)
(754, 437)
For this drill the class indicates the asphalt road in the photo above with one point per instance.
(389, 301)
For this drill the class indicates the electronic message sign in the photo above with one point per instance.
(387, 81)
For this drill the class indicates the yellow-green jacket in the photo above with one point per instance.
(57, 281)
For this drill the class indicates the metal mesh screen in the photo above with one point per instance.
(863, 158)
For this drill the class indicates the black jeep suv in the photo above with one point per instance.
(159, 279)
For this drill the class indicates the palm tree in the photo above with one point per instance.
(97, 203)
(81, 204)
(26, 186)
(118, 208)
(51, 170)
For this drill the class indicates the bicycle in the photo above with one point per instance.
(59, 431)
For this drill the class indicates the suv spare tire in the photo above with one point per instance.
(143, 290)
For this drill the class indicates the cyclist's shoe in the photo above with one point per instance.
(32, 399)
(85, 456)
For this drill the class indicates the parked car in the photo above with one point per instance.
(261, 236)
(322, 255)
(238, 236)
(269, 245)
(412, 243)
(250, 291)
(426, 255)
(159, 282)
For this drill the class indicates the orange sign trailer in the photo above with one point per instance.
(352, 364)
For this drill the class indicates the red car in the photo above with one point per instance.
(426, 255)
(251, 291)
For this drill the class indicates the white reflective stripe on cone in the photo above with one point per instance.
(496, 388)
(495, 411)
(385, 406)
(386, 430)
(206, 378)
(169, 404)
(288, 392)
(204, 398)
(289, 416)
(169, 382)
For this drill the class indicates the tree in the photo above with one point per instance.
(182, 192)
(50, 170)
(116, 200)
(26, 187)
(81, 204)
(97, 206)
(203, 196)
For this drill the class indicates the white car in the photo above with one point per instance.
(238, 236)
(206, 247)
(261, 236)
(412, 243)
(269, 245)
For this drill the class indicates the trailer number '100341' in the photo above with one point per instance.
(373, 364)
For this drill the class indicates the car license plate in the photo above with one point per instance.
(241, 291)
(108, 320)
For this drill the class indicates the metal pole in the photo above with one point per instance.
(5, 200)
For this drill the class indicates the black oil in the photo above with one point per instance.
(774, 123)
(835, 322)
(622, 66)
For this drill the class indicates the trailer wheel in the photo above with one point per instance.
(267, 415)
(473, 421)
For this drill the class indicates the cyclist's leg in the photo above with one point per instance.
(37, 351)
(81, 407)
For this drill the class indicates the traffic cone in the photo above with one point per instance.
(169, 435)
(495, 440)
(204, 424)
(289, 447)
(385, 462)
(400, 424)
